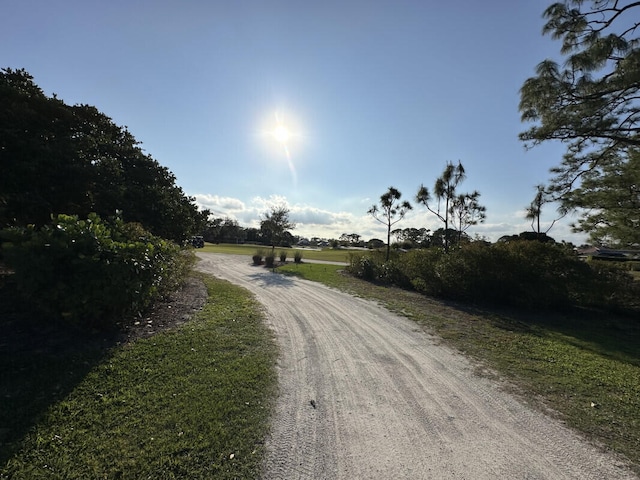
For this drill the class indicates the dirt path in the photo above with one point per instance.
(365, 394)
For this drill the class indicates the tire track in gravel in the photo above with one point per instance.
(366, 394)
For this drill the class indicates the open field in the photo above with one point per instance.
(584, 367)
(326, 254)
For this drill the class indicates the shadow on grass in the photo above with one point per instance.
(612, 334)
(40, 364)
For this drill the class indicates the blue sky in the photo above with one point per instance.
(374, 94)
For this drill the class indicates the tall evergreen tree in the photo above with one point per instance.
(591, 102)
(610, 199)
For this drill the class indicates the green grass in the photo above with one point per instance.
(327, 274)
(326, 254)
(189, 403)
(565, 362)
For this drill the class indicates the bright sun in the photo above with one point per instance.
(281, 134)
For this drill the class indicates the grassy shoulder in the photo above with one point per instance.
(582, 366)
(326, 254)
(193, 402)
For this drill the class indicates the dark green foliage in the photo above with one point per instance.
(615, 286)
(365, 266)
(610, 199)
(62, 159)
(283, 256)
(531, 275)
(589, 102)
(297, 257)
(223, 230)
(275, 225)
(91, 273)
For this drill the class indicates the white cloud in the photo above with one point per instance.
(219, 204)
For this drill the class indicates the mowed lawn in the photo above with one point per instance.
(191, 403)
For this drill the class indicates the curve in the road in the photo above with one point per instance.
(366, 394)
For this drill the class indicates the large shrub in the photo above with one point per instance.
(89, 272)
(614, 286)
(525, 274)
(365, 265)
(520, 273)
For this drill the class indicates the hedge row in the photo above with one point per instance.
(525, 274)
(89, 272)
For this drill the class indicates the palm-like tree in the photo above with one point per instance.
(445, 193)
(390, 212)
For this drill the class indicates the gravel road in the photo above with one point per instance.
(366, 394)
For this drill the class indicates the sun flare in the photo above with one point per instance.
(281, 133)
(283, 138)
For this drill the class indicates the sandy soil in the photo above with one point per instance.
(365, 394)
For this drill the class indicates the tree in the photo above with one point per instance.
(445, 238)
(466, 211)
(534, 211)
(62, 159)
(350, 238)
(252, 234)
(419, 236)
(225, 230)
(391, 211)
(275, 224)
(592, 102)
(445, 192)
(412, 237)
(611, 201)
(41, 171)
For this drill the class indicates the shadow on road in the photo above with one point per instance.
(268, 278)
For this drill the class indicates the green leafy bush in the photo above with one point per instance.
(297, 257)
(283, 256)
(363, 266)
(614, 287)
(89, 272)
(524, 274)
(257, 257)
